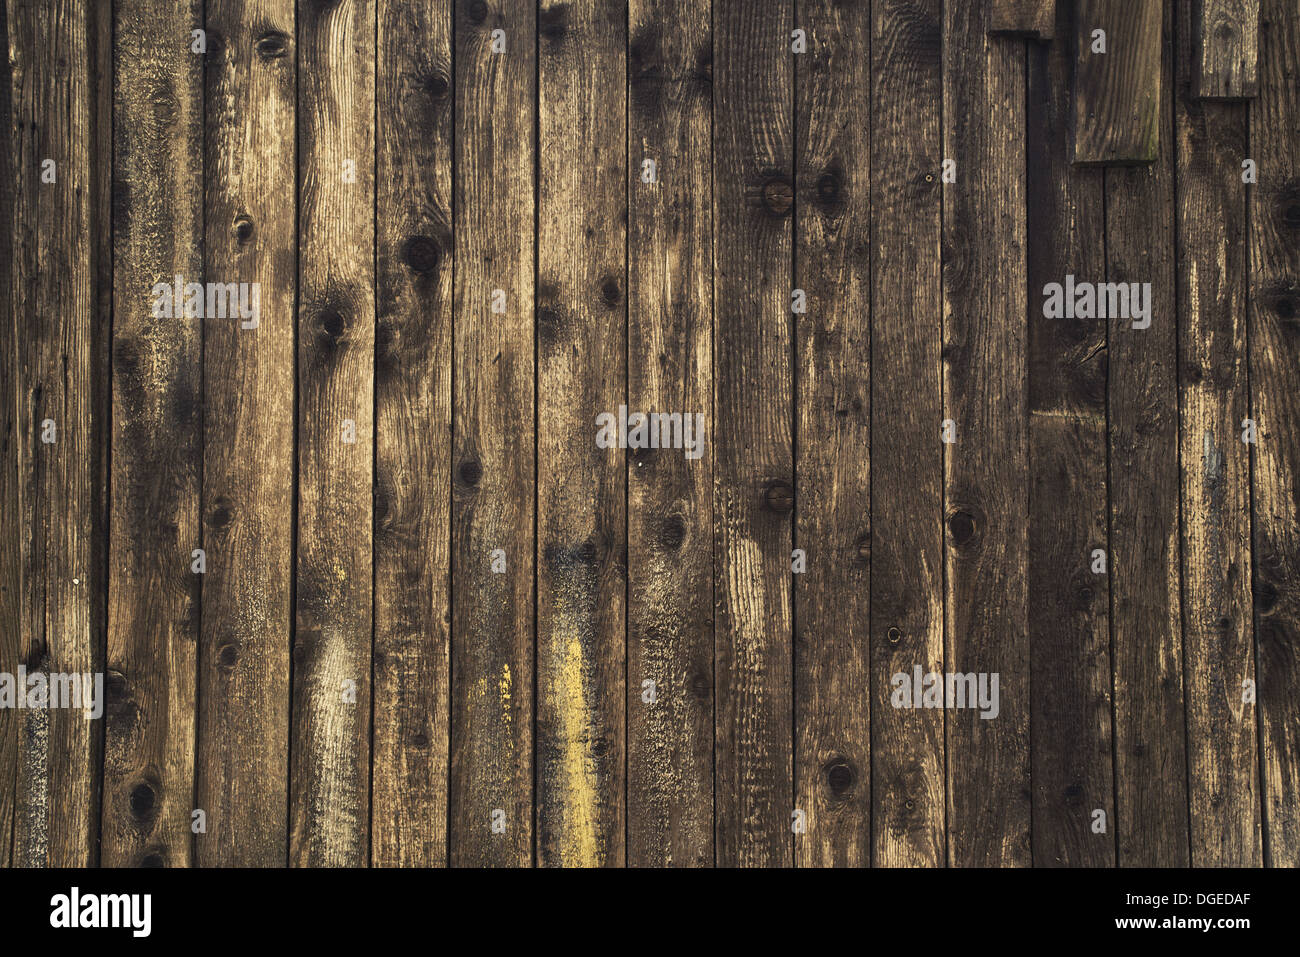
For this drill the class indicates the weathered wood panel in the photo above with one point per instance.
(1227, 48)
(670, 497)
(905, 548)
(1069, 584)
(329, 776)
(754, 200)
(1027, 18)
(1145, 574)
(493, 447)
(1117, 87)
(157, 440)
(248, 464)
(1218, 645)
(412, 435)
(986, 468)
(1274, 337)
(581, 487)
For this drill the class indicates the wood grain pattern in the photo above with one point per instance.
(413, 222)
(493, 447)
(1027, 18)
(1070, 668)
(1116, 92)
(332, 644)
(157, 440)
(1218, 652)
(1274, 218)
(1227, 49)
(243, 714)
(366, 590)
(581, 487)
(905, 549)
(754, 201)
(986, 476)
(1145, 574)
(670, 497)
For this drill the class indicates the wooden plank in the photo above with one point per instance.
(1212, 277)
(329, 786)
(248, 378)
(905, 549)
(157, 452)
(752, 426)
(832, 598)
(986, 490)
(581, 488)
(493, 438)
(1227, 49)
(12, 519)
(1117, 92)
(1026, 18)
(670, 497)
(412, 437)
(1275, 396)
(1068, 616)
(1145, 577)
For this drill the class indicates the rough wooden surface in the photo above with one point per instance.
(1227, 48)
(438, 623)
(1117, 92)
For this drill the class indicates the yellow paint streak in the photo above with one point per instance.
(578, 846)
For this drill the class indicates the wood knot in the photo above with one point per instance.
(227, 656)
(778, 196)
(961, 526)
(421, 254)
(779, 497)
(470, 472)
(672, 532)
(272, 45)
(222, 513)
(839, 777)
(895, 635)
(143, 800)
(610, 294)
(243, 229)
(477, 11)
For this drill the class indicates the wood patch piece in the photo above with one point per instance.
(1227, 48)
(1117, 92)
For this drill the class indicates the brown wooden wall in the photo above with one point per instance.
(365, 588)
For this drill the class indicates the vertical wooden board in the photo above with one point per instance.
(1274, 335)
(157, 446)
(833, 342)
(1145, 578)
(670, 497)
(329, 787)
(905, 548)
(248, 378)
(493, 455)
(752, 441)
(581, 487)
(1117, 93)
(1068, 616)
(1217, 619)
(987, 488)
(16, 268)
(412, 436)
(1227, 48)
(1028, 18)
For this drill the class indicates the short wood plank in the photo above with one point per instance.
(1274, 334)
(905, 547)
(1068, 611)
(1213, 273)
(329, 782)
(493, 437)
(1117, 93)
(1027, 18)
(157, 452)
(670, 497)
(986, 468)
(1145, 577)
(833, 357)
(412, 436)
(248, 378)
(751, 430)
(1227, 49)
(581, 487)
